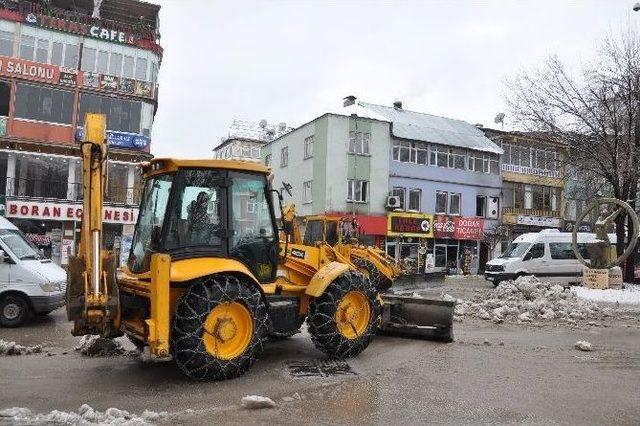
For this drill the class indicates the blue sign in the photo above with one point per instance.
(120, 139)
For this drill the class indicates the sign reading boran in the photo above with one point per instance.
(66, 211)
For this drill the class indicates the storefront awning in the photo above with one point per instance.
(373, 225)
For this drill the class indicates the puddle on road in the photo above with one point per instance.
(315, 368)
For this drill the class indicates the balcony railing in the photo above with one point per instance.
(530, 170)
(62, 190)
(530, 212)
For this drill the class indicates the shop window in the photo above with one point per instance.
(414, 199)
(357, 190)
(284, 156)
(41, 176)
(400, 193)
(481, 206)
(5, 97)
(43, 104)
(441, 202)
(454, 203)
(122, 115)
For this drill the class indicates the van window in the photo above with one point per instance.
(18, 244)
(536, 252)
(515, 250)
(562, 251)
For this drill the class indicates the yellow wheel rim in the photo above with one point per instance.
(353, 315)
(228, 330)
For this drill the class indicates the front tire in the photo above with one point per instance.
(343, 321)
(14, 310)
(378, 281)
(219, 328)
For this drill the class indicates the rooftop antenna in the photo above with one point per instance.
(499, 119)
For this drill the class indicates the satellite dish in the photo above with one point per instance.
(499, 118)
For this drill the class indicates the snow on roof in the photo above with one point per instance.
(431, 128)
(255, 131)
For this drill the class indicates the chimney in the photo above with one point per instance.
(397, 104)
(348, 101)
(479, 125)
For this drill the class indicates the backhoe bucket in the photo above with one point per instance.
(417, 318)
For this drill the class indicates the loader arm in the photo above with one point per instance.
(92, 301)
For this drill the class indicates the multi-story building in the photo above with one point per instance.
(245, 139)
(533, 178)
(444, 188)
(337, 164)
(59, 60)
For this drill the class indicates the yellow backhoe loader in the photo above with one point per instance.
(207, 279)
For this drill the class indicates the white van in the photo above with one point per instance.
(546, 254)
(29, 284)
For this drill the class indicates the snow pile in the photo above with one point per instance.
(583, 345)
(12, 348)
(630, 296)
(85, 415)
(90, 345)
(528, 299)
(256, 401)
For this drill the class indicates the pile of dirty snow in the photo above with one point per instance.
(90, 345)
(528, 299)
(629, 296)
(12, 348)
(84, 416)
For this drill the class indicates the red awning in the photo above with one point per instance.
(373, 225)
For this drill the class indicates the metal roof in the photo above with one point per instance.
(431, 128)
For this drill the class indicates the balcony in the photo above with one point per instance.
(529, 212)
(534, 171)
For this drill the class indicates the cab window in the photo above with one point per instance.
(562, 251)
(536, 251)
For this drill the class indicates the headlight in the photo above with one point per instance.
(48, 287)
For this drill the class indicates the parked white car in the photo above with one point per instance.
(546, 254)
(29, 284)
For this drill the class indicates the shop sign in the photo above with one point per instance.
(91, 79)
(410, 225)
(110, 35)
(94, 31)
(68, 78)
(66, 211)
(127, 85)
(29, 70)
(542, 221)
(143, 88)
(459, 228)
(108, 82)
(120, 139)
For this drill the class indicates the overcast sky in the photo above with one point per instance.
(292, 61)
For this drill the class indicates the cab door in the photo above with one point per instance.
(535, 262)
(563, 265)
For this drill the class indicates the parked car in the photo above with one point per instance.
(29, 284)
(546, 254)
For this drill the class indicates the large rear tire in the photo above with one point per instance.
(378, 281)
(219, 328)
(343, 321)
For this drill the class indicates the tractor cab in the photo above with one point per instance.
(206, 208)
(332, 230)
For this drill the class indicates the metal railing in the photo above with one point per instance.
(530, 212)
(62, 190)
(530, 170)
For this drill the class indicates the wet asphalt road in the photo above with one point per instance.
(535, 377)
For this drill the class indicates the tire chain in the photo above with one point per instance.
(322, 323)
(195, 304)
(378, 281)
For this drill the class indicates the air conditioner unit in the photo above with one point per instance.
(493, 206)
(393, 202)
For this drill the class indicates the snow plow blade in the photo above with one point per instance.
(417, 318)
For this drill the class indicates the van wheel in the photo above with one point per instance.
(14, 310)
(496, 283)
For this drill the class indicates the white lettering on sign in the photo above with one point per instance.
(551, 222)
(106, 34)
(66, 211)
(27, 69)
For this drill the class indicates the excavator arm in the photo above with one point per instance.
(92, 299)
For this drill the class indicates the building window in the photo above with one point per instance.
(88, 59)
(439, 156)
(43, 104)
(284, 157)
(359, 143)
(442, 200)
(308, 147)
(454, 203)
(122, 115)
(457, 158)
(306, 192)
(115, 64)
(42, 51)
(481, 206)
(410, 152)
(414, 199)
(483, 162)
(127, 68)
(27, 46)
(267, 160)
(5, 98)
(71, 55)
(535, 197)
(6, 40)
(357, 190)
(399, 192)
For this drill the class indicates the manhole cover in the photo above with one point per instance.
(326, 368)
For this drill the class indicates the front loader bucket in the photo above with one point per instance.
(417, 318)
